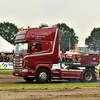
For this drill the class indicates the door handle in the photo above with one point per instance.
(41, 58)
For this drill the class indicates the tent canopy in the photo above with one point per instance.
(5, 46)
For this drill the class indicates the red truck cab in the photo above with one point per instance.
(36, 57)
(27, 60)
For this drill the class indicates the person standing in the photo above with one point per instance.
(7, 58)
(1, 58)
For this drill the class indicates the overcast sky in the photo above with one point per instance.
(81, 15)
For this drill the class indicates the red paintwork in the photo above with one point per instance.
(33, 63)
(46, 36)
(90, 60)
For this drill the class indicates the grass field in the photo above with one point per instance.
(60, 85)
(6, 71)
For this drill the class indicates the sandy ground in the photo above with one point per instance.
(51, 94)
(89, 93)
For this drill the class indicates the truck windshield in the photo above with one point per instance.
(21, 48)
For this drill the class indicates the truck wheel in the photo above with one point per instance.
(28, 79)
(42, 76)
(88, 76)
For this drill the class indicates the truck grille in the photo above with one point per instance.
(17, 58)
(17, 70)
(17, 62)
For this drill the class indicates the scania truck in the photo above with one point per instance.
(36, 57)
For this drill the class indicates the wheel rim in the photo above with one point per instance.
(88, 76)
(43, 76)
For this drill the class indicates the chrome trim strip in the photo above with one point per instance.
(56, 72)
(69, 77)
(56, 77)
(30, 76)
(72, 72)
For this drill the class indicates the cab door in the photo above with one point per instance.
(40, 53)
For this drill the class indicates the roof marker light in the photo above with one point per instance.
(28, 27)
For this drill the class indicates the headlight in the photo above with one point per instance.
(24, 70)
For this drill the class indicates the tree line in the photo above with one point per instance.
(67, 36)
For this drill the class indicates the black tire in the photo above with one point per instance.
(28, 79)
(42, 76)
(88, 76)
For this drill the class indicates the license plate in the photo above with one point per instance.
(16, 74)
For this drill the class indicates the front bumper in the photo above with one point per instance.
(20, 72)
(23, 72)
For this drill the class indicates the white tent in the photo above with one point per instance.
(5, 46)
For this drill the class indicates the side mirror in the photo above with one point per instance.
(33, 44)
(32, 47)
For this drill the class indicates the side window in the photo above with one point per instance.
(40, 46)
(37, 45)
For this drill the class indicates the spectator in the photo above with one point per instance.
(70, 59)
(11, 57)
(74, 59)
(67, 59)
(1, 58)
(60, 59)
(86, 54)
(3, 55)
(63, 58)
(79, 59)
(7, 59)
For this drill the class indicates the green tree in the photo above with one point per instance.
(8, 31)
(93, 41)
(66, 36)
(43, 25)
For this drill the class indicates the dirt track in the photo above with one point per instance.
(90, 93)
(51, 94)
